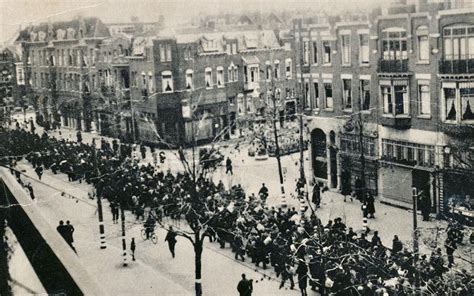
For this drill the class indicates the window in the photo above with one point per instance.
(394, 44)
(254, 73)
(458, 43)
(232, 73)
(365, 94)
(250, 105)
(240, 105)
(306, 52)
(234, 48)
(187, 53)
(424, 100)
(328, 93)
(307, 91)
(288, 68)
(315, 52)
(467, 100)
(208, 77)
(276, 69)
(165, 52)
(386, 91)
(408, 153)
(189, 79)
(268, 71)
(220, 77)
(350, 144)
(401, 99)
(395, 97)
(450, 101)
(346, 49)
(167, 81)
(150, 82)
(423, 44)
(326, 52)
(316, 95)
(347, 94)
(364, 48)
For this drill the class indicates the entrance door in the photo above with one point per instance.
(318, 153)
(421, 180)
(333, 159)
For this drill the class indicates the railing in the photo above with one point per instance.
(392, 66)
(456, 66)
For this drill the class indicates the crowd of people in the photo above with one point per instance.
(326, 257)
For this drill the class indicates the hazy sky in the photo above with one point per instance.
(13, 13)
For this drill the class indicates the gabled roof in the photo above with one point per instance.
(93, 28)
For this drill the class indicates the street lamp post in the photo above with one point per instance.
(415, 238)
(99, 205)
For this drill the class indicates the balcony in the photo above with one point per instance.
(398, 122)
(392, 66)
(456, 66)
(457, 130)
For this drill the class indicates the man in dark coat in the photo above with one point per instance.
(370, 205)
(425, 205)
(397, 245)
(228, 165)
(244, 287)
(79, 136)
(316, 195)
(171, 239)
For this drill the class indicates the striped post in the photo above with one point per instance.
(124, 240)
(364, 219)
(283, 197)
(101, 223)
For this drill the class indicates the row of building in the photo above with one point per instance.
(387, 95)
(391, 94)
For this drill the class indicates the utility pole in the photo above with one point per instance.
(415, 239)
(103, 244)
(275, 134)
(301, 108)
(124, 239)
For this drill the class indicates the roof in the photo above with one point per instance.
(250, 60)
(92, 28)
(246, 40)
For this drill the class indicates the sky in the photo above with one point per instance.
(14, 13)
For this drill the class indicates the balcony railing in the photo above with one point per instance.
(456, 66)
(392, 66)
(397, 122)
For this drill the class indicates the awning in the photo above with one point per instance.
(250, 60)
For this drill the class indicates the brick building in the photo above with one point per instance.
(402, 79)
(10, 82)
(221, 76)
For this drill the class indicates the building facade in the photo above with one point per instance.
(396, 85)
(201, 87)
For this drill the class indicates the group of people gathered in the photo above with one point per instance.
(326, 257)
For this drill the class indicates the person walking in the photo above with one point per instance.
(302, 272)
(245, 286)
(425, 205)
(316, 195)
(450, 246)
(228, 165)
(39, 171)
(171, 239)
(263, 192)
(79, 136)
(30, 189)
(69, 237)
(143, 151)
(397, 245)
(132, 248)
(370, 205)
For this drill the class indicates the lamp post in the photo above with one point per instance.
(415, 238)
(99, 204)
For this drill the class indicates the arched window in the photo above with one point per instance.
(220, 76)
(208, 77)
